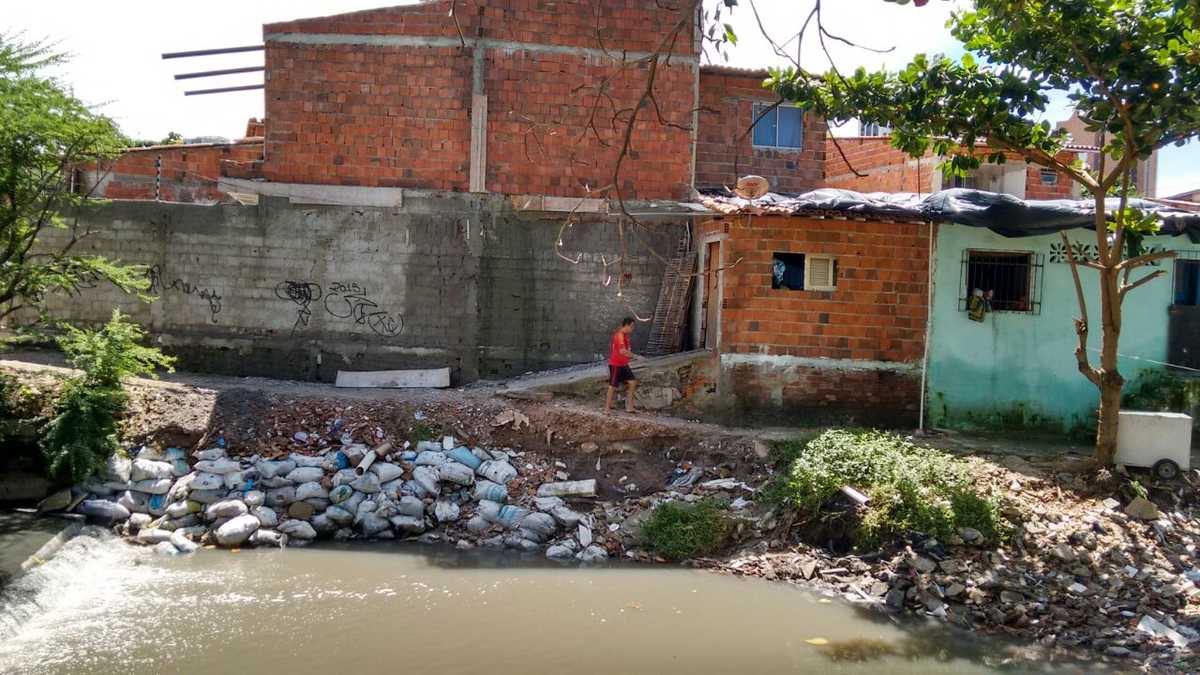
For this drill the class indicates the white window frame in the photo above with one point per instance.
(757, 110)
(808, 283)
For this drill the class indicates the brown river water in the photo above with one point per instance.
(103, 606)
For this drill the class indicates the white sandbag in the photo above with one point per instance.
(408, 524)
(190, 520)
(411, 506)
(266, 516)
(281, 496)
(339, 516)
(298, 529)
(204, 480)
(351, 503)
(311, 491)
(179, 509)
(148, 469)
(446, 511)
(386, 471)
(275, 469)
(306, 474)
(426, 479)
(453, 472)
(103, 511)
(478, 524)
(538, 526)
(268, 539)
(207, 496)
(344, 477)
(547, 503)
(497, 472)
(563, 550)
(152, 535)
(237, 531)
(322, 525)
(117, 469)
(135, 502)
(592, 554)
(220, 466)
(493, 492)
(209, 454)
(372, 524)
(159, 486)
(274, 483)
(236, 481)
(565, 516)
(230, 508)
(431, 458)
(137, 521)
(179, 491)
(368, 483)
(166, 548)
(182, 543)
(255, 498)
(308, 461)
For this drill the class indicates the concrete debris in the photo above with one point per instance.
(513, 417)
(1142, 509)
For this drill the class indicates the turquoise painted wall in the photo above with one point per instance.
(1019, 370)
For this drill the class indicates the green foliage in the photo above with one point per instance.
(82, 434)
(20, 411)
(47, 136)
(422, 432)
(113, 352)
(1160, 390)
(678, 531)
(910, 488)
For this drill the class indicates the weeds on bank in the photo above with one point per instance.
(678, 531)
(82, 432)
(910, 488)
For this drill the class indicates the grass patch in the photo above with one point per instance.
(910, 488)
(422, 432)
(678, 531)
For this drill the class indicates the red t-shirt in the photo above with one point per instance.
(620, 341)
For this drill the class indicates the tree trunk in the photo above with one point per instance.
(1110, 381)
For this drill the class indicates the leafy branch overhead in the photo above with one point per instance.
(46, 135)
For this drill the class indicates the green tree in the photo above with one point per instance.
(1130, 68)
(46, 134)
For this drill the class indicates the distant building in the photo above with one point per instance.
(1145, 174)
(1192, 195)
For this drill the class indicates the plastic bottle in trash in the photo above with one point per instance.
(221, 441)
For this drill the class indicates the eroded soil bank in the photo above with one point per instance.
(1083, 573)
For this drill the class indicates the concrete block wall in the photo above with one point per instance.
(295, 291)
(727, 98)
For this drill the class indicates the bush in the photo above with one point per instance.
(910, 488)
(678, 531)
(82, 434)
(1160, 390)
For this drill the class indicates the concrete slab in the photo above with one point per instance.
(437, 378)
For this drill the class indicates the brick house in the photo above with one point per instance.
(399, 98)
(813, 316)
(890, 170)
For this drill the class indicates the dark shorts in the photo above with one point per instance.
(620, 374)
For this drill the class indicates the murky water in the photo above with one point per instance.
(102, 606)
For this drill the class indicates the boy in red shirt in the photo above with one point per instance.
(619, 371)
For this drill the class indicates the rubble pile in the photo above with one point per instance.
(1079, 571)
(434, 491)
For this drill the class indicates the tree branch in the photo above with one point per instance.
(1146, 279)
(1081, 324)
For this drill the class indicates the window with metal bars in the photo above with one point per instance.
(1187, 281)
(1010, 280)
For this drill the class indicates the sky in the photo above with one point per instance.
(117, 48)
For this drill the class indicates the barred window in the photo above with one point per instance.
(780, 127)
(1008, 280)
(1049, 177)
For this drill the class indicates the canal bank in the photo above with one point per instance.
(1027, 586)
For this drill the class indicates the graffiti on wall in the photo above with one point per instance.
(340, 300)
(158, 286)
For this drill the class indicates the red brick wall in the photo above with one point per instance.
(891, 170)
(189, 173)
(802, 395)
(394, 115)
(877, 312)
(727, 110)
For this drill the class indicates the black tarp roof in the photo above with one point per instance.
(1003, 214)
